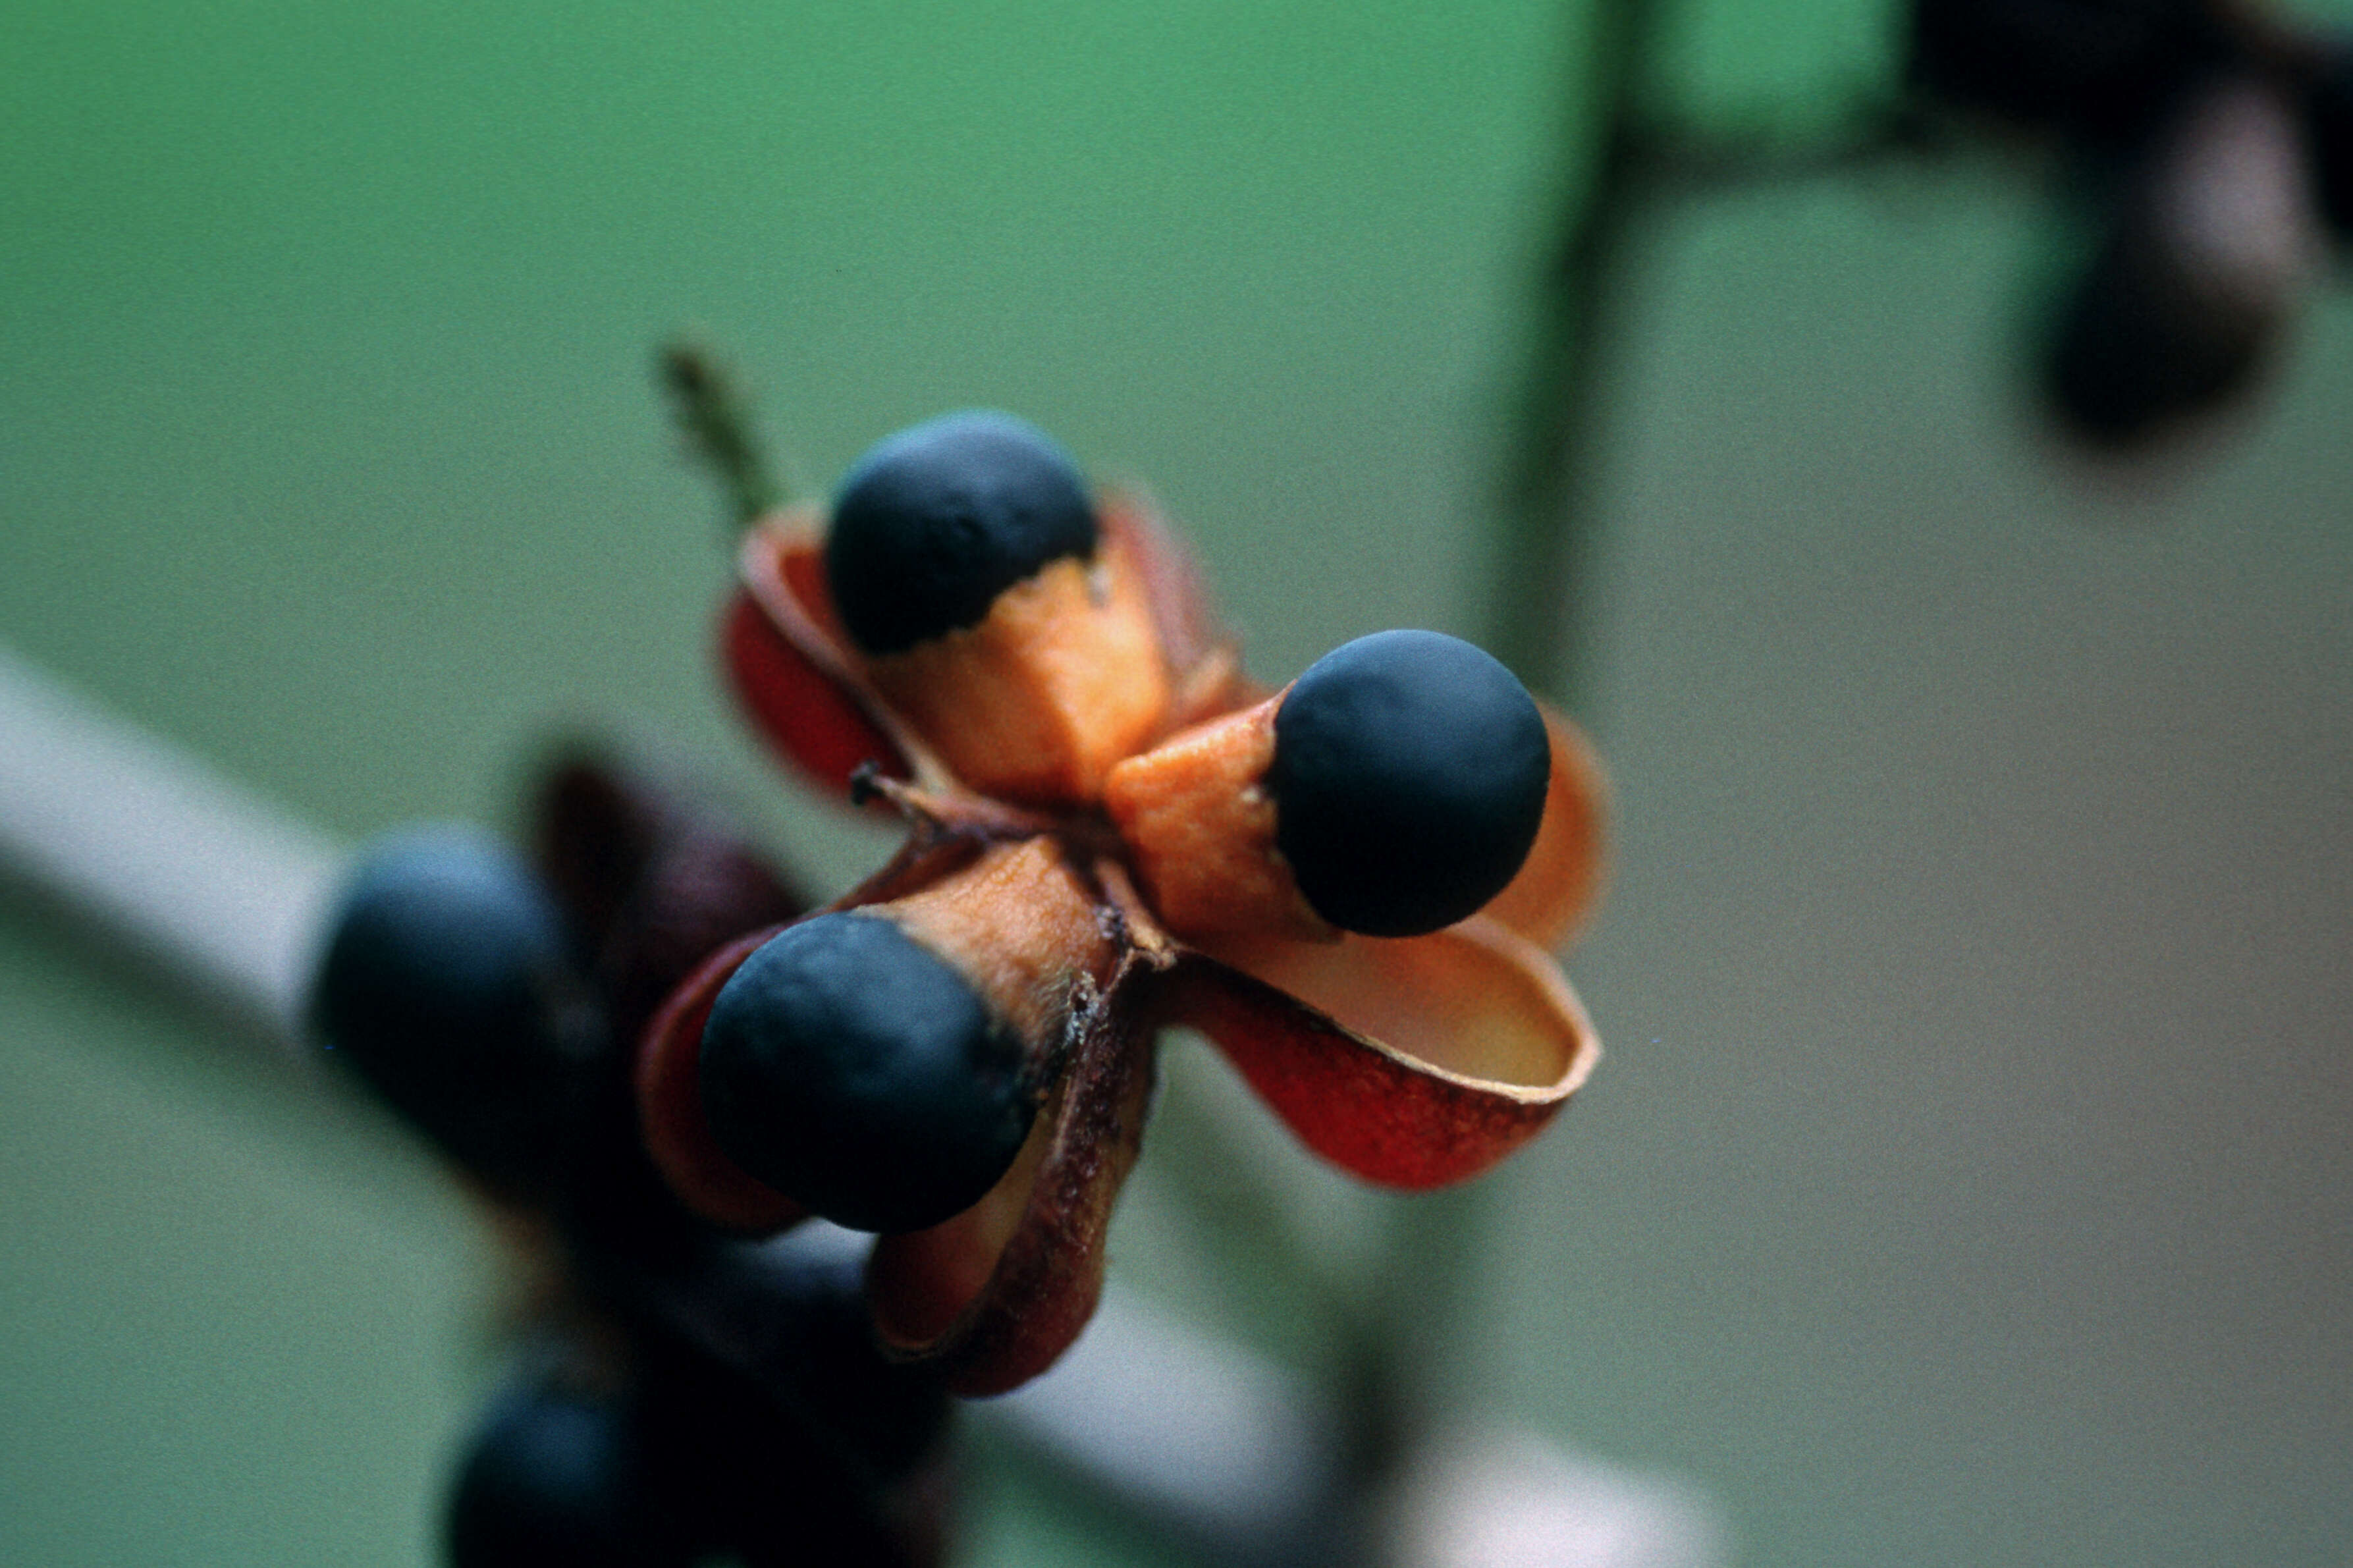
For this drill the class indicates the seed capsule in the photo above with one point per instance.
(992, 611)
(855, 1070)
(448, 987)
(1393, 789)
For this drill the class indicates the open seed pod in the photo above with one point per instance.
(1414, 1062)
(1105, 843)
(1404, 782)
(1085, 660)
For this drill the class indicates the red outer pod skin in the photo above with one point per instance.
(802, 711)
(670, 1102)
(1380, 1093)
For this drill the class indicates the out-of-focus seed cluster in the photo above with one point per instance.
(2210, 153)
(678, 1393)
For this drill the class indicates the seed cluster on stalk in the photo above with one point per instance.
(651, 1054)
(1349, 884)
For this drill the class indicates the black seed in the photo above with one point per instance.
(854, 1071)
(1409, 779)
(2100, 69)
(937, 521)
(2201, 264)
(448, 988)
(558, 1479)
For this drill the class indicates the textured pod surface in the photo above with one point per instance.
(934, 522)
(994, 1295)
(815, 696)
(1199, 829)
(1060, 680)
(1409, 777)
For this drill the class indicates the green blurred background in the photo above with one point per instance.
(1971, 1177)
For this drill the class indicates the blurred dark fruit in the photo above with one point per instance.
(2095, 69)
(449, 986)
(558, 1479)
(2210, 242)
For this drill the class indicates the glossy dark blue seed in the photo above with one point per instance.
(1408, 781)
(855, 1071)
(937, 521)
(448, 987)
(560, 1480)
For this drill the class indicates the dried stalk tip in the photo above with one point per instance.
(715, 417)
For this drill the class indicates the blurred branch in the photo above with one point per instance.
(1541, 605)
(1539, 620)
(1538, 603)
(1676, 159)
(185, 865)
(1541, 600)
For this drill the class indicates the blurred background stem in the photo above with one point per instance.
(1539, 603)
(1539, 613)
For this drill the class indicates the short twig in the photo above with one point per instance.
(715, 417)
